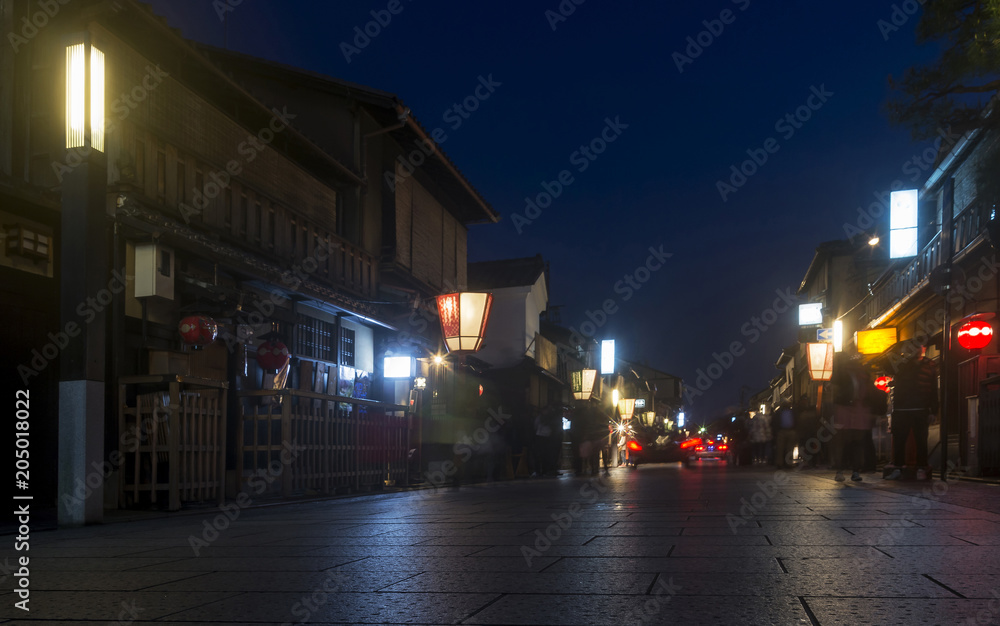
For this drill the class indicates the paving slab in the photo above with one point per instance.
(657, 545)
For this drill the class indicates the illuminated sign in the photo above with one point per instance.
(876, 341)
(640, 403)
(608, 356)
(398, 366)
(810, 313)
(903, 223)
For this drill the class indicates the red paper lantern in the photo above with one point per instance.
(975, 335)
(882, 382)
(272, 355)
(198, 330)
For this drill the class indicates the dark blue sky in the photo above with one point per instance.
(655, 185)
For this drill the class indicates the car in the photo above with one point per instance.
(710, 447)
(642, 447)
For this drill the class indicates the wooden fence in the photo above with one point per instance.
(172, 437)
(303, 442)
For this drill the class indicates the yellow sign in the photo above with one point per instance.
(876, 341)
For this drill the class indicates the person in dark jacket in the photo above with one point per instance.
(914, 401)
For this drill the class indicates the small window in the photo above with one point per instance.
(347, 347)
(161, 174)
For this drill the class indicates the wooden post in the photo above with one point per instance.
(286, 440)
(173, 446)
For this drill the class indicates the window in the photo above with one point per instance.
(244, 214)
(181, 182)
(161, 174)
(140, 162)
(347, 347)
(314, 339)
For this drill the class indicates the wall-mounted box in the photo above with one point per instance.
(154, 271)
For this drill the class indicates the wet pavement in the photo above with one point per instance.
(661, 545)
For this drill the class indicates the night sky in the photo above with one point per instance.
(560, 80)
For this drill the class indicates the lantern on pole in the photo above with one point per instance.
(583, 384)
(463, 319)
(820, 359)
(84, 96)
(975, 334)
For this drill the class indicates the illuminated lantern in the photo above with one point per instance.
(198, 330)
(583, 384)
(272, 355)
(626, 408)
(463, 319)
(882, 382)
(975, 335)
(820, 357)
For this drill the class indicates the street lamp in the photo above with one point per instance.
(83, 269)
(463, 319)
(84, 96)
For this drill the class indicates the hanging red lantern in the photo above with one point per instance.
(882, 382)
(272, 355)
(975, 335)
(198, 330)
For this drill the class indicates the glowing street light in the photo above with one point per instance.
(463, 319)
(84, 96)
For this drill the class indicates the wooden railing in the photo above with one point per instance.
(966, 228)
(301, 442)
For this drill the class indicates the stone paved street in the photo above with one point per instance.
(661, 545)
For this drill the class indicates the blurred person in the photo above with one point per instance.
(786, 436)
(808, 426)
(760, 437)
(853, 389)
(914, 401)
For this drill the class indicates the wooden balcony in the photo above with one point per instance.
(967, 227)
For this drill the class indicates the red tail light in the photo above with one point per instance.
(690, 443)
(723, 446)
(699, 449)
(635, 446)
